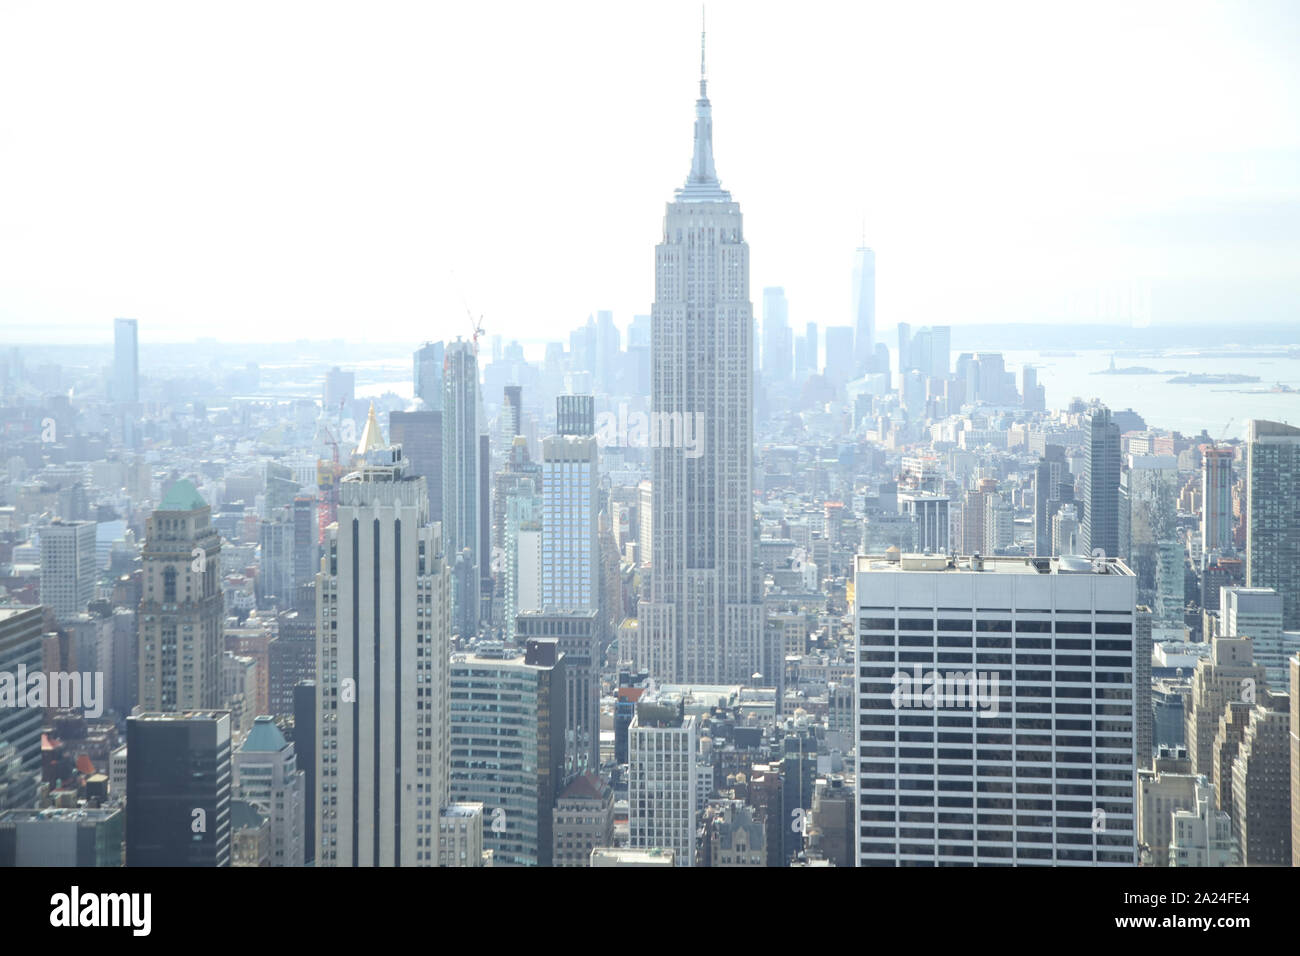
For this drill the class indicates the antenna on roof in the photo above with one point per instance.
(702, 72)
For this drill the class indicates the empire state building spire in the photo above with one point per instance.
(702, 184)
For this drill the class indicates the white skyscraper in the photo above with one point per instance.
(997, 711)
(126, 362)
(864, 308)
(704, 617)
(570, 512)
(382, 642)
(777, 338)
(68, 568)
(1257, 613)
(662, 778)
(523, 553)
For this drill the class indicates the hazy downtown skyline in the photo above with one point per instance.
(303, 171)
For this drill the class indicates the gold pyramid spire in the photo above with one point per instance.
(372, 438)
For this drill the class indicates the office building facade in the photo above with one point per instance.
(996, 709)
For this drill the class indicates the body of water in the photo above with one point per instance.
(1185, 408)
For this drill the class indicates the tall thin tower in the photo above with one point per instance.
(1100, 531)
(461, 458)
(864, 308)
(703, 621)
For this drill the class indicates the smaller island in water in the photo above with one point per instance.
(1203, 378)
(1130, 370)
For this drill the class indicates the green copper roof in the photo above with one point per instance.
(265, 737)
(182, 496)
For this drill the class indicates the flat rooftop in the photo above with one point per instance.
(63, 814)
(187, 715)
(977, 564)
(15, 610)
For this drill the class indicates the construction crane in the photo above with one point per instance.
(476, 325)
(1223, 436)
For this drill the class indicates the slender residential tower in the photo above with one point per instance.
(704, 618)
(461, 480)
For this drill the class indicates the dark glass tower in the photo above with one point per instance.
(1100, 531)
(178, 789)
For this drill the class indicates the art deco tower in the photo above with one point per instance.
(703, 622)
(383, 637)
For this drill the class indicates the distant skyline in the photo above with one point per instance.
(248, 172)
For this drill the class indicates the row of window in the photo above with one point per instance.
(995, 625)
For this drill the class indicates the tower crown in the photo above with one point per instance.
(702, 185)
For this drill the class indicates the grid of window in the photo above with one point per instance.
(1046, 778)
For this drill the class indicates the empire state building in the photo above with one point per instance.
(703, 622)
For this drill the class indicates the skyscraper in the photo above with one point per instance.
(1261, 784)
(864, 309)
(1048, 476)
(1273, 513)
(662, 773)
(382, 632)
(507, 745)
(20, 727)
(428, 375)
(305, 714)
(981, 761)
(1100, 530)
(306, 541)
(460, 478)
(339, 390)
(178, 789)
(1257, 613)
(1293, 672)
(512, 415)
(1216, 501)
(275, 541)
(575, 414)
(806, 353)
(126, 362)
(570, 512)
(267, 775)
(776, 335)
(1226, 675)
(704, 618)
(577, 634)
(1149, 540)
(608, 342)
(420, 435)
(517, 508)
(839, 354)
(68, 568)
(930, 512)
(905, 348)
(181, 613)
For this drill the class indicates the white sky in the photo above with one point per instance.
(256, 171)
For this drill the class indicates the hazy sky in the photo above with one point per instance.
(284, 170)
